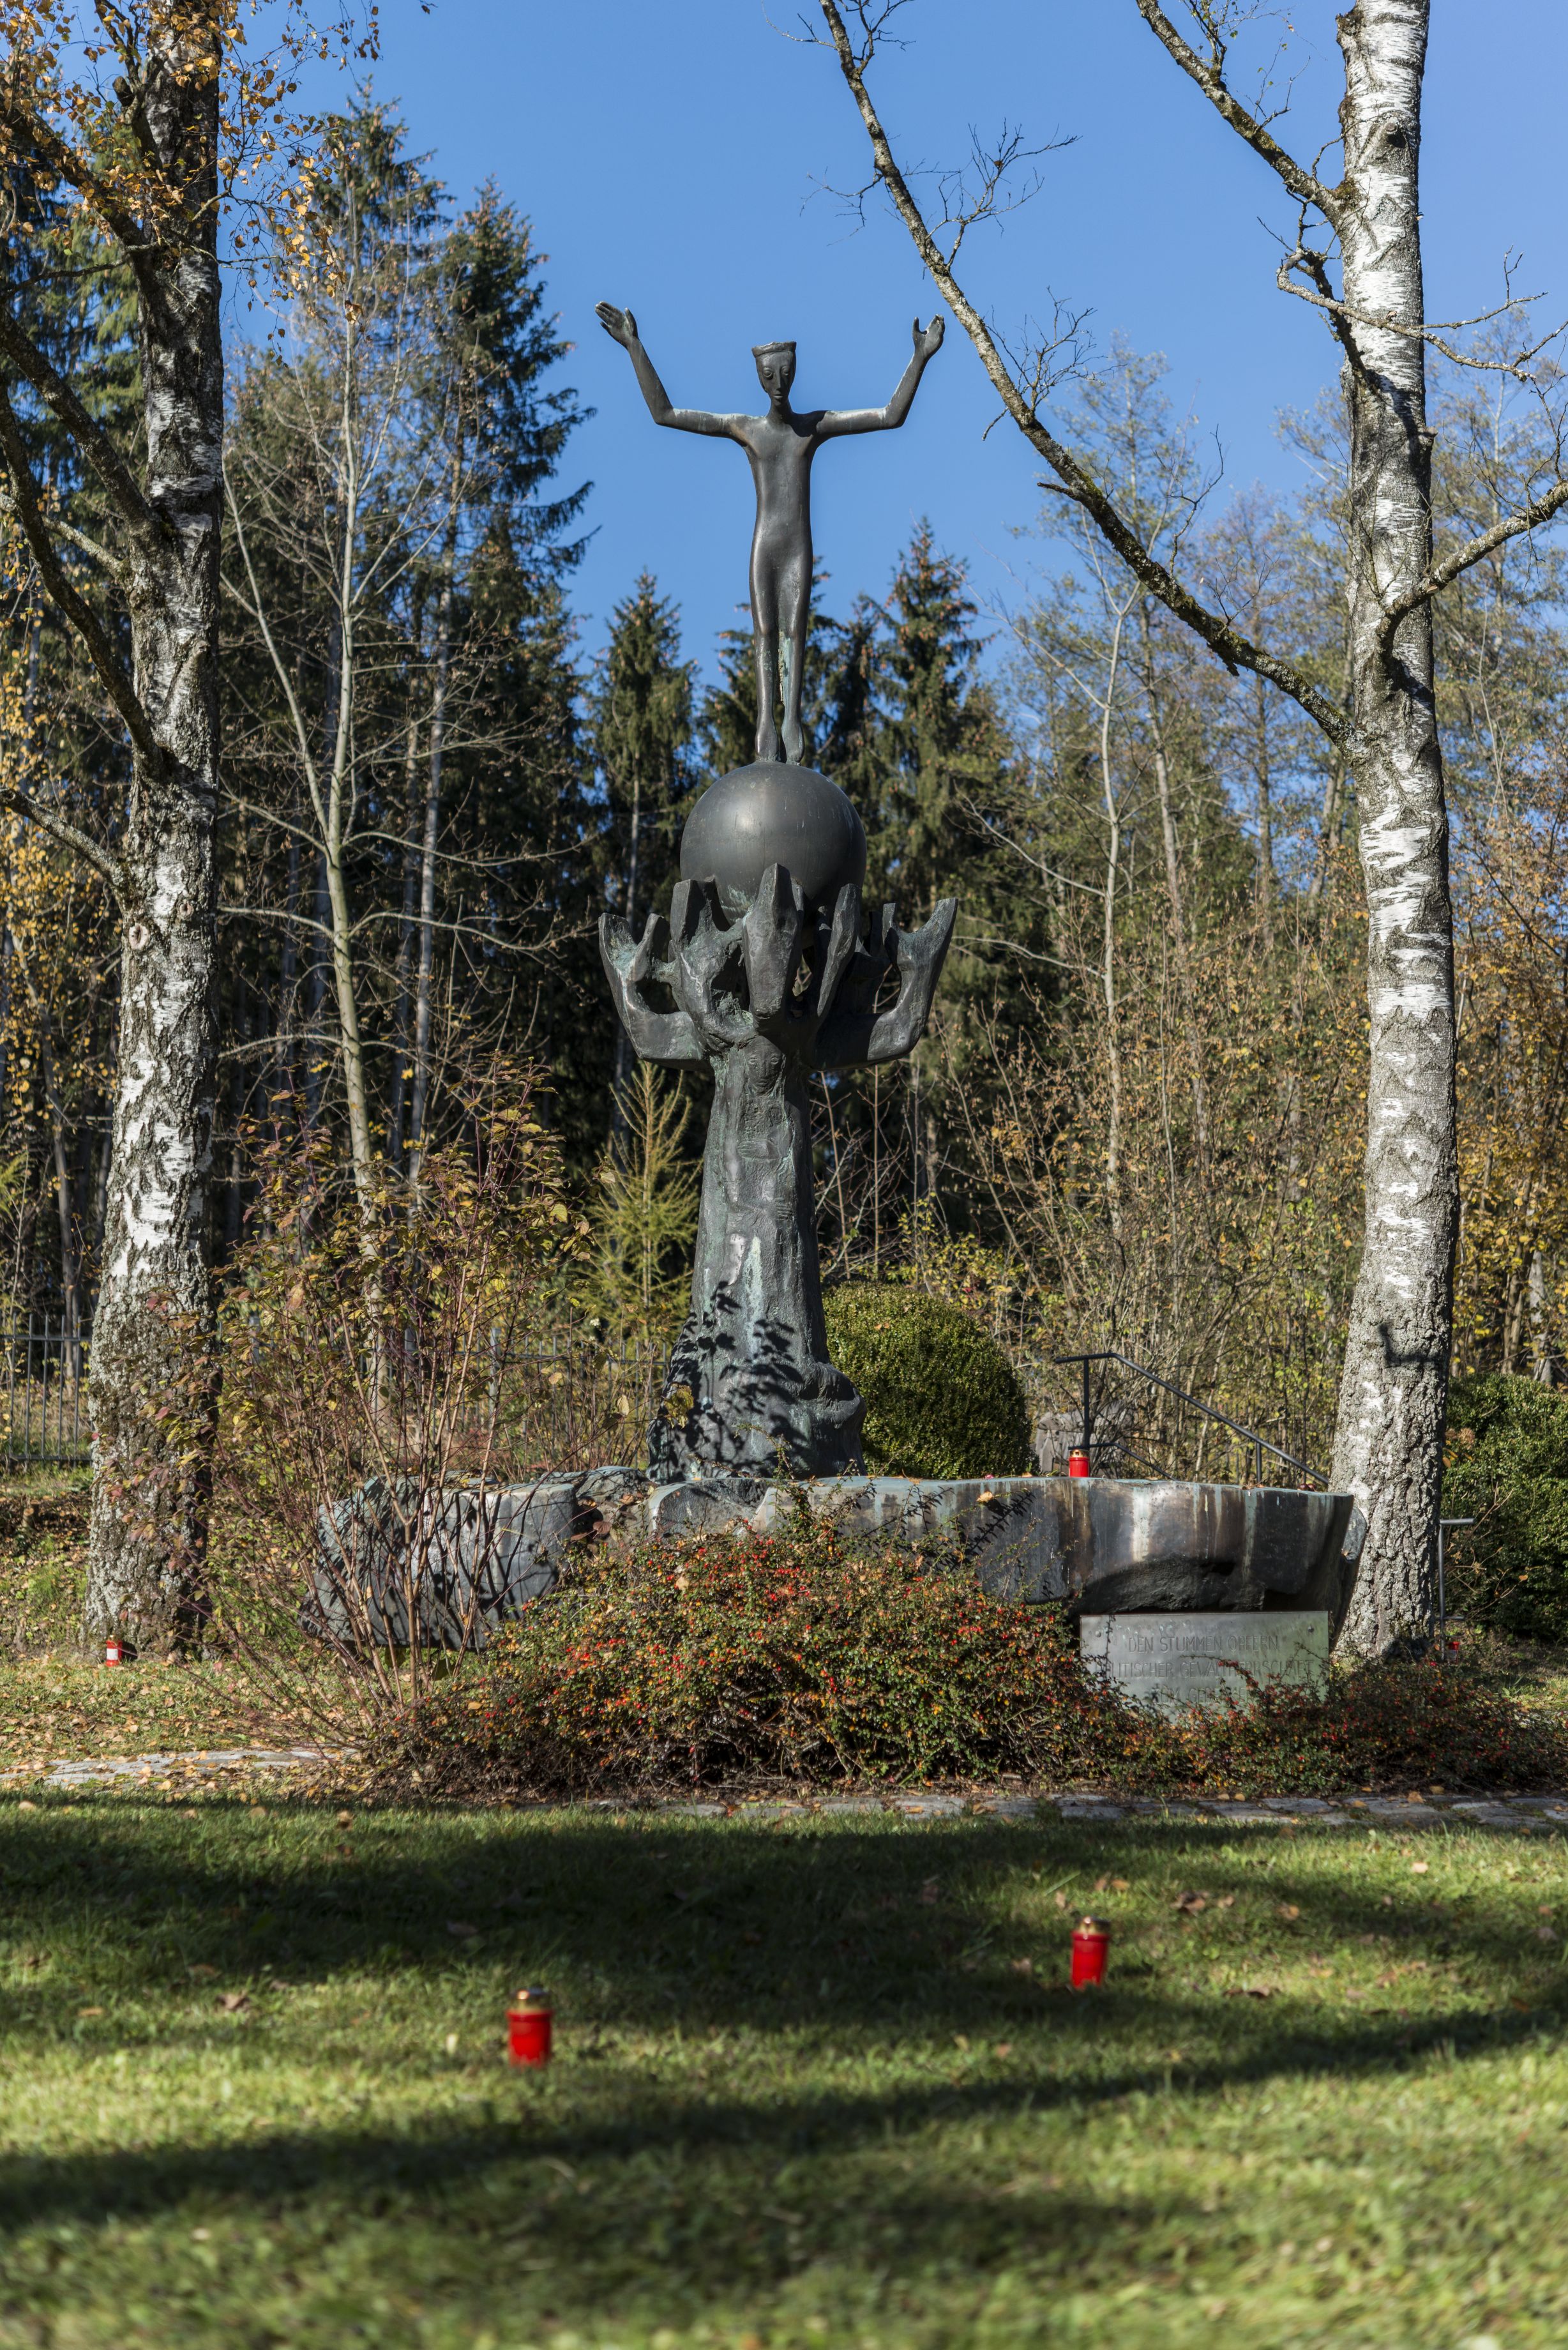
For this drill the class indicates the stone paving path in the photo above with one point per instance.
(1268, 1811)
(210, 1767)
(213, 1770)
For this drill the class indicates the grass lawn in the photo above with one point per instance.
(819, 2084)
(55, 1709)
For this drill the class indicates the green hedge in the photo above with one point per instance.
(1508, 1469)
(942, 1397)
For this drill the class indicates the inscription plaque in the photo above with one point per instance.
(1171, 1662)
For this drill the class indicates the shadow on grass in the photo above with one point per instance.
(824, 1946)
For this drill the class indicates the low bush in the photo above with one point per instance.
(1435, 1721)
(1508, 1469)
(788, 1657)
(942, 1397)
(796, 1658)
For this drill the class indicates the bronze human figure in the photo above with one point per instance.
(780, 445)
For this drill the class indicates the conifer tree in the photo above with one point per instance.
(643, 730)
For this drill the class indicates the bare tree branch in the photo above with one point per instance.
(56, 579)
(60, 528)
(59, 157)
(1224, 641)
(96, 449)
(20, 803)
(1210, 75)
(1316, 267)
(1475, 550)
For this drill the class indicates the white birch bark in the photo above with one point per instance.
(151, 1361)
(1388, 1441)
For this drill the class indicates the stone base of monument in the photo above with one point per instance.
(1122, 1549)
(1171, 1662)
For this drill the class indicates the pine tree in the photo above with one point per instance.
(941, 751)
(642, 737)
(645, 1215)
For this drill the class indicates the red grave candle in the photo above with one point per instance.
(1091, 1947)
(1077, 1461)
(528, 2023)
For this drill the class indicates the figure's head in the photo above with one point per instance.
(775, 370)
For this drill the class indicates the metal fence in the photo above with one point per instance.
(46, 1374)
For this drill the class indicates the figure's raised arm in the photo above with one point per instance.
(837, 421)
(621, 328)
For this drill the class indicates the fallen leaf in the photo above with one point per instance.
(200, 1973)
(1419, 1867)
(89, 2011)
(1022, 1966)
(1289, 1911)
(1522, 2006)
(960, 2040)
(1004, 2047)
(1227, 1901)
(231, 2002)
(26, 1807)
(345, 1819)
(1190, 1904)
(1060, 1898)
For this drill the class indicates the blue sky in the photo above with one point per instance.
(674, 159)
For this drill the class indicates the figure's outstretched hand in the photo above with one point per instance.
(929, 339)
(618, 325)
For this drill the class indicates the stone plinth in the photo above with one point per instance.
(1131, 1551)
(1172, 1662)
(1101, 1544)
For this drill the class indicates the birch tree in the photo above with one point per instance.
(1354, 255)
(134, 115)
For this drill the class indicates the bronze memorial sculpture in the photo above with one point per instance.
(767, 968)
(780, 445)
(774, 971)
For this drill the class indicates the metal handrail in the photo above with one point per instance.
(1261, 1444)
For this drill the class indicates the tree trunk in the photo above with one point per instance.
(622, 1078)
(403, 983)
(1177, 896)
(1108, 945)
(424, 981)
(152, 1365)
(1388, 1441)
